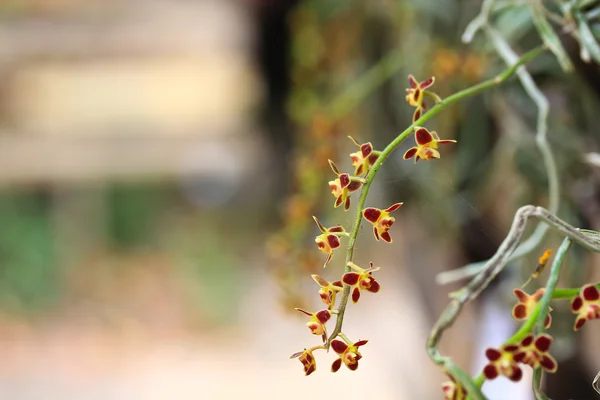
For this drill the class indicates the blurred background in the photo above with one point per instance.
(160, 161)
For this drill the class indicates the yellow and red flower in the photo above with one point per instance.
(307, 359)
(382, 221)
(329, 239)
(363, 158)
(502, 362)
(416, 95)
(317, 321)
(533, 351)
(361, 279)
(453, 390)
(427, 144)
(586, 304)
(349, 354)
(343, 186)
(526, 304)
(328, 290)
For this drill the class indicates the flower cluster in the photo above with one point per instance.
(532, 351)
(356, 280)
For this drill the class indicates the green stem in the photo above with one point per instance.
(536, 384)
(551, 283)
(568, 293)
(471, 91)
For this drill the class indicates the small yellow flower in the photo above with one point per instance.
(382, 220)
(349, 354)
(329, 239)
(364, 158)
(416, 95)
(342, 186)
(317, 321)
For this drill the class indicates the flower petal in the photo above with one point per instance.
(329, 256)
(336, 365)
(366, 149)
(543, 342)
(333, 241)
(344, 180)
(354, 186)
(323, 316)
(417, 114)
(355, 295)
(353, 141)
(386, 237)
(303, 311)
(590, 293)
(334, 168)
(320, 280)
(374, 288)
(351, 278)
(427, 83)
(579, 322)
(527, 340)
(338, 201)
(515, 375)
(492, 354)
(338, 346)
(393, 207)
(352, 367)
(519, 312)
(371, 214)
(410, 153)
(548, 363)
(521, 295)
(412, 82)
(446, 141)
(376, 233)
(321, 227)
(347, 204)
(490, 371)
(576, 303)
(423, 137)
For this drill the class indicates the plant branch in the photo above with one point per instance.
(587, 239)
(510, 57)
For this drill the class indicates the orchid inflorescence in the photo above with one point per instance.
(355, 279)
(528, 346)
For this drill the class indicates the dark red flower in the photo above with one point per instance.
(381, 220)
(427, 144)
(363, 158)
(349, 354)
(342, 186)
(361, 279)
(586, 305)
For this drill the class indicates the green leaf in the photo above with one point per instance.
(586, 37)
(549, 37)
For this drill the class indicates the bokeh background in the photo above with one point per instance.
(160, 161)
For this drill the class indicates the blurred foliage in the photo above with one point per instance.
(29, 274)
